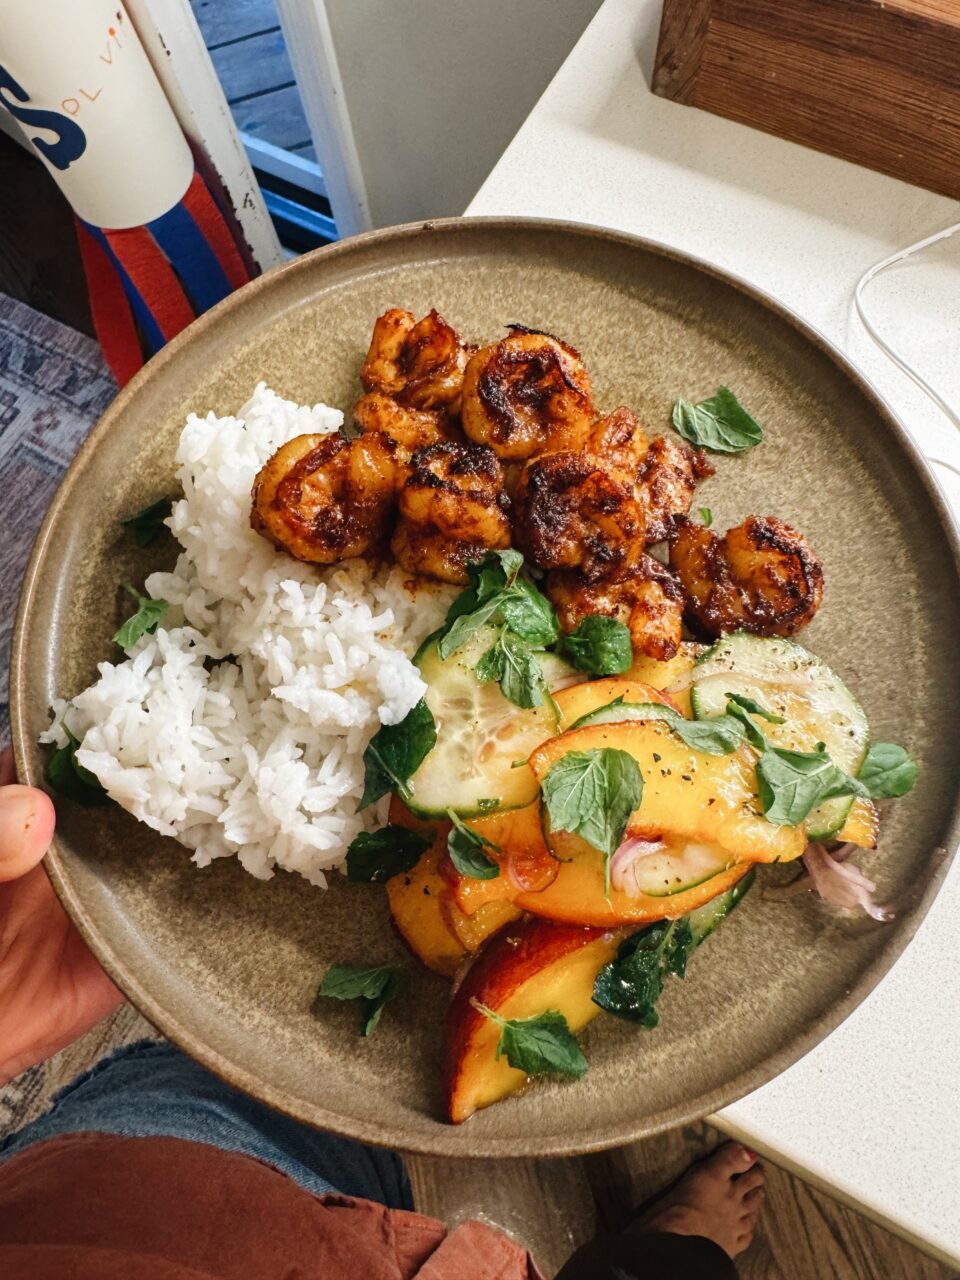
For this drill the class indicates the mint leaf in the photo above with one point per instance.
(599, 645)
(68, 777)
(466, 849)
(145, 619)
(497, 594)
(146, 524)
(541, 1045)
(521, 678)
(490, 666)
(592, 794)
(631, 984)
(530, 615)
(720, 423)
(750, 728)
(396, 752)
(374, 988)
(716, 737)
(791, 784)
(887, 772)
(706, 515)
(375, 856)
(755, 708)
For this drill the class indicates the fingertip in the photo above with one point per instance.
(27, 820)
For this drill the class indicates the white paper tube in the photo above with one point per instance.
(75, 76)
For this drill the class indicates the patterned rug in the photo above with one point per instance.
(53, 387)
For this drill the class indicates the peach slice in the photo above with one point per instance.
(423, 908)
(686, 793)
(526, 970)
(663, 674)
(580, 699)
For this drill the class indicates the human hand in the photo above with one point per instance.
(52, 989)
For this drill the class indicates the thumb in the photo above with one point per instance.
(27, 820)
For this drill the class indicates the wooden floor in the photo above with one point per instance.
(247, 48)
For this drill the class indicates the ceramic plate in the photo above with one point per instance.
(228, 966)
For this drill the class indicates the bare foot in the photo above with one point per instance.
(719, 1197)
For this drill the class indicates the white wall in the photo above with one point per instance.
(433, 90)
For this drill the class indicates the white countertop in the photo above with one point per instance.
(873, 1113)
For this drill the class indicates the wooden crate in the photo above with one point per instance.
(873, 81)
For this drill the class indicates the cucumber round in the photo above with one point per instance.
(480, 736)
(794, 683)
(618, 712)
(703, 920)
(673, 870)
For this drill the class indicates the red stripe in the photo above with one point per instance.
(153, 278)
(201, 206)
(109, 308)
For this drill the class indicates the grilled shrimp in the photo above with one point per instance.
(525, 394)
(409, 428)
(761, 577)
(667, 477)
(419, 363)
(571, 513)
(619, 442)
(453, 508)
(646, 598)
(325, 498)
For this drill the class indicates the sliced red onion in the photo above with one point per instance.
(623, 864)
(842, 883)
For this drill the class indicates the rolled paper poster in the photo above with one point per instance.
(155, 246)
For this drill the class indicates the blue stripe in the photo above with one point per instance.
(191, 257)
(151, 330)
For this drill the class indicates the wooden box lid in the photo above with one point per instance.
(873, 81)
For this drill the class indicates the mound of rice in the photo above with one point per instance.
(239, 726)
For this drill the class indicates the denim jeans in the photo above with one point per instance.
(154, 1090)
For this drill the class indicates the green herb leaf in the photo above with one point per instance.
(466, 847)
(375, 856)
(490, 666)
(146, 524)
(632, 983)
(530, 615)
(145, 619)
(720, 423)
(374, 988)
(706, 515)
(792, 784)
(750, 728)
(716, 737)
(541, 1045)
(497, 594)
(68, 777)
(601, 646)
(592, 794)
(396, 752)
(755, 708)
(521, 678)
(888, 771)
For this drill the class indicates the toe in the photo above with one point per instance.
(729, 1160)
(749, 1181)
(754, 1197)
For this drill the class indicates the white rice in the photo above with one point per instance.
(259, 755)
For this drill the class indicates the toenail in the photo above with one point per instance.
(748, 1155)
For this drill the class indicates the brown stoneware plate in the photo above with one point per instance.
(228, 966)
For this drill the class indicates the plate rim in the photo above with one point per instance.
(454, 1140)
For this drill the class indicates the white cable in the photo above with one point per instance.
(901, 364)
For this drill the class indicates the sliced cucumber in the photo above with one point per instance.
(794, 683)
(703, 920)
(480, 735)
(617, 712)
(558, 673)
(677, 868)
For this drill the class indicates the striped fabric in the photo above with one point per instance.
(147, 283)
